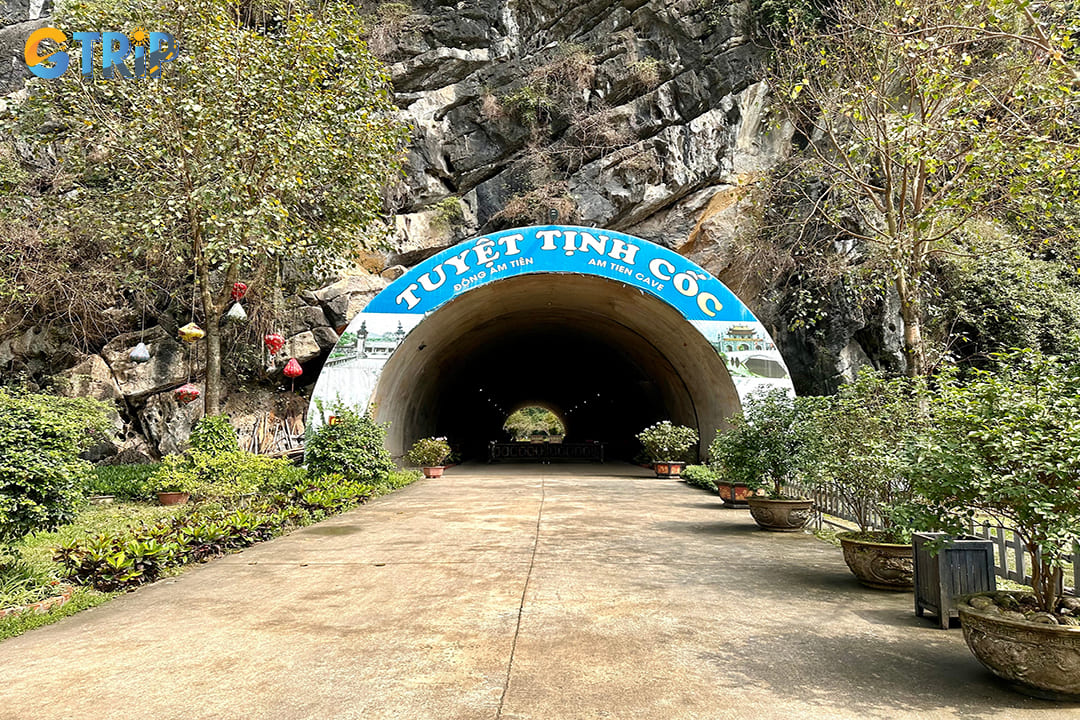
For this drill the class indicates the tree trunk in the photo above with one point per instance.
(212, 315)
(212, 404)
(911, 312)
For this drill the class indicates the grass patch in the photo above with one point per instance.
(81, 599)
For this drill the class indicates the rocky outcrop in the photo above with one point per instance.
(171, 363)
(18, 18)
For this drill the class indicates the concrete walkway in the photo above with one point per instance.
(539, 592)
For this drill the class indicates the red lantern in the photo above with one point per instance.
(292, 369)
(274, 342)
(239, 289)
(187, 393)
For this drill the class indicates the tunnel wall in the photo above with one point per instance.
(420, 351)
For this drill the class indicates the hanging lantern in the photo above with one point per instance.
(187, 393)
(239, 290)
(236, 314)
(191, 332)
(139, 354)
(292, 369)
(274, 342)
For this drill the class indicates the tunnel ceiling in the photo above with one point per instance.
(612, 332)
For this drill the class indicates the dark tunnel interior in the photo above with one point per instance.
(607, 358)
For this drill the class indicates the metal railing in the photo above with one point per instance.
(1010, 555)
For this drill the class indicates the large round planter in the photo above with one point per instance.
(668, 469)
(1040, 660)
(172, 498)
(780, 515)
(734, 495)
(885, 566)
(434, 472)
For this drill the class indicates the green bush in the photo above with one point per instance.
(41, 475)
(352, 445)
(1004, 447)
(768, 444)
(214, 434)
(428, 452)
(223, 475)
(665, 442)
(701, 476)
(125, 482)
(863, 435)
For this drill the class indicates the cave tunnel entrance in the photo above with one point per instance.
(609, 331)
(603, 355)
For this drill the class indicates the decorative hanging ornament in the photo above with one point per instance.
(191, 332)
(139, 354)
(239, 290)
(187, 393)
(236, 314)
(274, 342)
(292, 369)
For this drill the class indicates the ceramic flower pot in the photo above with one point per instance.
(881, 565)
(172, 498)
(434, 472)
(1036, 658)
(780, 515)
(668, 469)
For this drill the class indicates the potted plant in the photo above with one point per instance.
(667, 446)
(764, 451)
(1005, 449)
(862, 434)
(429, 454)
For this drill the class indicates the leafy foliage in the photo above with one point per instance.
(353, 444)
(860, 448)
(701, 476)
(1005, 446)
(223, 475)
(769, 442)
(666, 442)
(428, 452)
(533, 421)
(41, 475)
(123, 558)
(270, 137)
(905, 110)
(214, 434)
(125, 482)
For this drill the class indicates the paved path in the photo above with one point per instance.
(540, 592)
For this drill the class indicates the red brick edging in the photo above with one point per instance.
(42, 606)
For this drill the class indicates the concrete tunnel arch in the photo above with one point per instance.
(613, 330)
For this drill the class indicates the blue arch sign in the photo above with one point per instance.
(351, 372)
(562, 249)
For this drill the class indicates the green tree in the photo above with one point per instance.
(270, 137)
(920, 115)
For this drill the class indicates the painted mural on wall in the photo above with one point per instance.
(351, 373)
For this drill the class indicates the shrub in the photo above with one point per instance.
(41, 475)
(864, 433)
(701, 476)
(768, 443)
(352, 445)
(223, 476)
(126, 482)
(1005, 446)
(428, 452)
(214, 434)
(664, 441)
